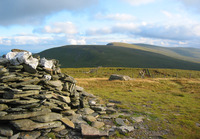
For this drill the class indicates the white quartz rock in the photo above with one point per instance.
(46, 63)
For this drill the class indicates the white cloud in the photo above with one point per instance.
(117, 16)
(24, 40)
(76, 41)
(117, 28)
(191, 4)
(139, 2)
(34, 11)
(60, 27)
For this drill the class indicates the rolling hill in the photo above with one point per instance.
(120, 55)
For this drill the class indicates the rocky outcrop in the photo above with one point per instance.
(119, 77)
(36, 98)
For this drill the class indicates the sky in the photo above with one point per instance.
(36, 25)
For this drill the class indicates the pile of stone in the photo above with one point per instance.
(36, 99)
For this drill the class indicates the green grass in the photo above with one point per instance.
(75, 56)
(170, 103)
(105, 72)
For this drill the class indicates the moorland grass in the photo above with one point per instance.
(170, 103)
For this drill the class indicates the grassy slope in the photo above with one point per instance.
(171, 104)
(114, 56)
(188, 54)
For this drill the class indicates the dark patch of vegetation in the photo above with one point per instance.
(75, 56)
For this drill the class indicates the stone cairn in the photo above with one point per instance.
(36, 99)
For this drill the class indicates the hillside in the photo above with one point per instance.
(74, 56)
(183, 53)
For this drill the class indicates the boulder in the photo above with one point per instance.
(47, 118)
(88, 131)
(98, 124)
(125, 129)
(46, 63)
(29, 125)
(67, 122)
(119, 77)
(6, 131)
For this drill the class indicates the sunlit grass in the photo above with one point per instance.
(170, 100)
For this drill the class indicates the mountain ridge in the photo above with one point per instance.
(75, 56)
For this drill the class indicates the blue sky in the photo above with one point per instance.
(36, 25)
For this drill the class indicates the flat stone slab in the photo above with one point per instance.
(98, 124)
(67, 122)
(11, 95)
(125, 129)
(25, 115)
(29, 135)
(119, 77)
(47, 118)
(29, 125)
(3, 107)
(5, 131)
(120, 121)
(88, 131)
(31, 87)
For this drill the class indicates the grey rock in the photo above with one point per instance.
(11, 95)
(31, 87)
(120, 121)
(24, 102)
(3, 113)
(19, 67)
(63, 105)
(16, 136)
(110, 104)
(47, 118)
(3, 70)
(119, 77)
(98, 108)
(88, 131)
(87, 94)
(65, 99)
(67, 122)
(3, 61)
(89, 118)
(125, 129)
(16, 110)
(87, 111)
(63, 132)
(69, 79)
(3, 107)
(30, 135)
(29, 69)
(98, 124)
(62, 127)
(6, 131)
(15, 116)
(79, 89)
(57, 84)
(12, 79)
(77, 119)
(8, 76)
(110, 110)
(47, 77)
(27, 82)
(29, 125)
(8, 101)
(137, 119)
(68, 112)
(46, 63)
(198, 124)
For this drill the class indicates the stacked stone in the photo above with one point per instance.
(36, 98)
